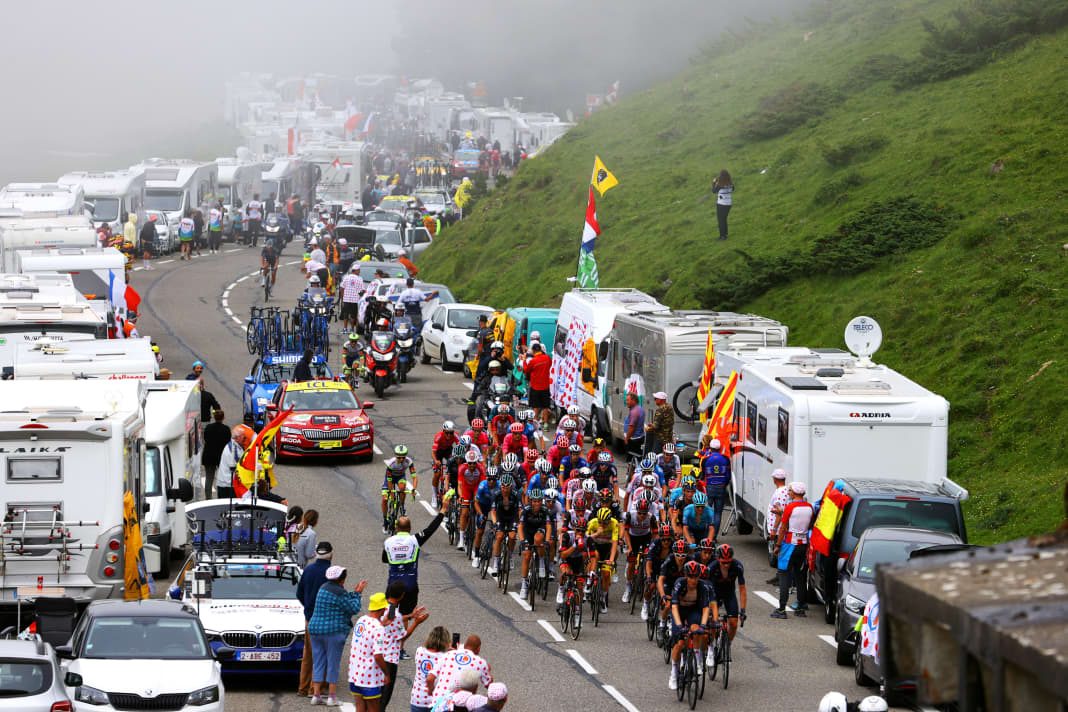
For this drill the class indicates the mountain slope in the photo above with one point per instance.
(862, 186)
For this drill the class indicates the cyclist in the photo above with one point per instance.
(269, 261)
(397, 467)
(478, 435)
(692, 606)
(603, 538)
(655, 556)
(572, 461)
(697, 520)
(679, 498)
(716, 475)
(569, 429)
(500, 424)
(572, 551)
(584, 502)
(606, 498)
(471, 473)
(452, 465)
(487, 491)
(580, 422)
(723, 574)
(573, 486)
(531, 428)
(515, 442)
(605, 471)
(638, 526)
(526, 468)
(505, 516)
(668, 465)
(598, 446)
(441, 449)
(538, 480)
(351, 350)
(536, 525)
(643, 474)
(557, 451)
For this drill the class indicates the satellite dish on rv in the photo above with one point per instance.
(863, 336)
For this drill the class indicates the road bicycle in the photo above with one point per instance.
(691, 679)
(256, 338)
(721, 652)
(504, 566)
(485, 552)
(394, 510)
(267, 282)
(538, 574)
(452, 521)
(636, 582)
(571, 609)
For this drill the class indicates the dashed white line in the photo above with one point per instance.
(234, 250)
(231, 286)
(240, 279)
(427, 507)
(166, 262)
(374, 446)
(551, 630)
(829, 640)
(470, 386)
(618, 697)
(292, 262)
(522, 604)
(583, 663)
(254, 274)
(225, 301)
(138, 269)
(237, 321)
(228, 312)
(768, 597)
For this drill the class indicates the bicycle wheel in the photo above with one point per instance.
(637, 584)
(533, 581)
(650, 621)
(545, 584)
(726, 651)
(506, 566)
(701, 677)
(250, 337)
(713, 670)
(469, 537)
(485, 554)
(692, 679)
(595, 602)
(684, 673)
(564, 609)
(454, 525)
(668, 640)
(576, 615)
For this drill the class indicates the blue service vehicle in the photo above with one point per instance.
(265, 376)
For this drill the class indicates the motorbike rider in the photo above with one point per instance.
(412, 300)
(313, 289)
(496, 353)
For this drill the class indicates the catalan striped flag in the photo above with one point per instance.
(707, 373)
(724, 413)
(831, 511)
(250, 469)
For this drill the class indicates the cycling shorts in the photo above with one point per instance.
(506, 524)
(386, 482)
(604, 550)
(638, 542)
(729, 604)
(468, 489)
(690, 616)
(529, 532)
(575, 563)
(480, 521)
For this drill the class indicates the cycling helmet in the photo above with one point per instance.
(724, 552)
(580, 521)
(642, 507)
(561, 440)
(692, 568)
(400, 450)
(459, 450)
(606, 493)
(665, 530)
(552, 483)
(834, 702)
(648, 464)
(471, 456)
(543, 466)
(589, 485)
(604, 514)
(514, 427)
(706, 544)
(478, 424)
(874, 703)
(649, 480)
(669, 448)
(510, 461)
(382, 324)
(679, 548)
(604, 457)
(572, 410)
(568, 424)
(507, 481)
(243, 435)
(551, 494)
(448, 426)
(314, 279)
(535, 494)
(531, 454)
(646, 496)
(584, 472)
(354, 336)
(270, 242)
(493, 364)
(699, 499)
(576, 448)
(505, 409)
(492, 472)
(689, 482)
(465, 439)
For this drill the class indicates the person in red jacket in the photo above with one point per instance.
(536, 368)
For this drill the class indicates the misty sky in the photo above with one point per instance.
(87, 81)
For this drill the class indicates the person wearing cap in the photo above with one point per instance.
(352, 288)
(408, 264)
(454, 663)
(367, 661)
(791, 546)
(779, 499)
(663, 426)
(311, 580)
(412, 300)
(716, 476)
(197, 372)
(536, 368)
(328, 627)
(496, 697)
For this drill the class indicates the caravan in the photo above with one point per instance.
(98, 273)
(338, 169)
(44, 306)
(238, 182)
(110, 360)
(174, 186)
(112, 196)
(21, 233)
(42, 200)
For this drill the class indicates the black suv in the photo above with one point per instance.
(881, 503)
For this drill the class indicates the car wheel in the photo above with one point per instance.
(424, 357)
(744, 527)
(843, 654)
(165, 558)
(828, 610)
(445, 365)
(858, 671)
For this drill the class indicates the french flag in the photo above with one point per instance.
(368, 125)
(123, 298)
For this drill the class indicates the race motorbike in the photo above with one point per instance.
(406, 336)
(498, 390)
(380, 360)
(275, 228)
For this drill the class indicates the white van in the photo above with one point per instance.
(92, 270)
(69, 451)
(112, 195)
(174, 186)
(281, 177)
(43, 200)
(238, 181)
(821, 414)
(172, 456)
(109, 360)
(30, 311)
(338, 171)
(20, 233)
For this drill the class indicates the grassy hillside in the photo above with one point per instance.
(914, 175)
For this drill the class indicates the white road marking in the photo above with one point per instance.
(829, 640)
(225, 301)
(240, 279)
(427, 507)
(228, 312)
(237, 321)
(618, 696)
(138, 269)
(374, 447)
(234, 250)
(292, 262)
(166, 262)
(254, 274)
(551, 630)
(769, 598)
(350, 707)
(470, 386)
(522, 604)
(577, 657)
(231, 286)
(438, 366)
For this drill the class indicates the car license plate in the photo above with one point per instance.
(328, 444)
(258, 656)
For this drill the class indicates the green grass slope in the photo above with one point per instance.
(939, 209)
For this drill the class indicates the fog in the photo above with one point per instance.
(97, 84)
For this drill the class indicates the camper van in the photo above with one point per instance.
(96, 359)
(238, 181)
(174, 186)
(822, 414)
(43, 200)
(92, 269)
(112, 195)
(19, 233)
(665, 351)
(36, 307)
(69, 452)
(338, 167)
(281, 177)
(172, 456)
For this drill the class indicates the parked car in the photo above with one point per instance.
(452, 327)
(30, 678)
(140, 655)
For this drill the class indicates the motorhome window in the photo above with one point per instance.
(203, 188)
(34, 469)
(739, 408)
(154, 472)
(226, 193)
(941, 516)
(105, 209)
(165, 200)
(560, 345)
(611, 359)
(750, 421)
(626, 361)
(762, 430)
(269, 186)
(784, 431)
(639, 363)
(90, 284)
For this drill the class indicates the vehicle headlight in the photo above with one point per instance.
(213, 636)
(854, 604)
(361, 428)
(290, 431)
(90, 695)
(204, 696)
(263, 401)
(404, 343)
(383, 357)
(151, 528)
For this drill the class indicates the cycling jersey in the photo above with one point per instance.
(578, 540)
(507, 508)
(478, 437)
(676, 498)
(443, 443)
(534, 522)
(698, 527)
(396, 467)
(671, 571)
(269, 256)
(554, 455)
(534, 482)
(485, 494)
(529, 430)
(569, 464)
(669, 467)
(525, 471)
(723, 582)
(470, 475)
(576, 435)
(659, 549)
(500, 424)
(514, 443)
(635, 486)
(603, 533)
(572, 487)
(605, 476)
(637, 525)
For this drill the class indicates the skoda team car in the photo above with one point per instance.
(327, 419)
(265, 376)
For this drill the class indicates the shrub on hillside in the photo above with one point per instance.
(842, 154)
(787, 109)
(877, 68)
(835, 191)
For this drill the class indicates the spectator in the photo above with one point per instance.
(663, 425)
(408, 264)
(497, 696)
(537, 368)
(453, 663)
(311, 579)
(779, 499)
(367, 664)
(329, 626)
(792, 549)
(216, 437)
(164, 374)
(306, 537)
(475, 702)
(294, 517)
(208, 403)
(147, 237)
(240, 438)
(426, 657)
(724, 187)
(399, 628)
(634, 428)
(197, 372)
(352, 288)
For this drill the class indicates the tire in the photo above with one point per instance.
(685, 394)
(691, 682)
(858, 671)
(423, 357)
(599, 424)
(842, 654)
(744, 527)
(445, 365)
(380, 386)
(250, 337)
(829, 610)
(773, 560)
(576, 620)
(684, 675)
(403, 375)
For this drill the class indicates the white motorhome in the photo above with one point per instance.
(174, 186)
(92, 269)
(172, 457)
(96, 359)
(20, 233)
(43, 306)
(238, 182)
(339, 171)
(43, 200)
(821, 414)
(665, 351)
(281, 177)
(113, 195)
(69, 451)
(497, 125)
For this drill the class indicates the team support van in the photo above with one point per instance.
(112, 195)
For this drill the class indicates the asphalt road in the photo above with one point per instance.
(198, 310)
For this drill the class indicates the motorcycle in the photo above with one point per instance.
(274, 228)
(500, 389)
(406, 335)
(380, 360)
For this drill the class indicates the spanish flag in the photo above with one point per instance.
(707, 372)
(250, 468)
(602, 179)
(719, 424)
(831, 511)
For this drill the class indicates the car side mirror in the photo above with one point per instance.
(224, 653)
(368, 405)
(250, 380)
(72, 679)
(147, 508)
(183, 492)
(67, 653)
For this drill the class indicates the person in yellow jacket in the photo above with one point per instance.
(129, 231)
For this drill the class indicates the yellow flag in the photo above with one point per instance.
(602, 179)
(135, 571)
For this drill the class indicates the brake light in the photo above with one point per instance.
(911, 499)
(725, 333)
(109, 570)
(34, 426)
(114, 544)
(62, 707)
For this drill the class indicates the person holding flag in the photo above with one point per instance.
(708, 373)
(792, 549)
(255, 463)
